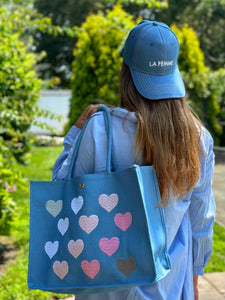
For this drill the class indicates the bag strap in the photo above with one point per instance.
(110, 158)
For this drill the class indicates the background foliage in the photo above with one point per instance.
(206, 17)
(19, 89)
(58, 61)
(97, 63)
(19, 94)
(203, 85)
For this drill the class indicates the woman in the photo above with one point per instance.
(155, 125)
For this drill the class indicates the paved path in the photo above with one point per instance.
(219, 192)
(212, 286)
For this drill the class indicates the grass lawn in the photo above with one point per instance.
(14, 280)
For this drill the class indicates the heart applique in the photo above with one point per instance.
(76, 204)
(63, 225)
(54, 208)
(88, 224)
(60, 268)
(123, 221)
(91, 269)
(51, 248)
(75, 247)
(108, 202)
(109, 246)
(126, 266)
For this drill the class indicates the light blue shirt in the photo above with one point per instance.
(189, 221)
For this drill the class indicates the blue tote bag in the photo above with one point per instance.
(97, 232)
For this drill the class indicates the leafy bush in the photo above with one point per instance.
(97, 63)
(9, 182)
(19, 92)
(19, 87)
(19, 83)
(205, 88)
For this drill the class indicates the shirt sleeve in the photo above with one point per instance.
(68, 143)
(202, 209)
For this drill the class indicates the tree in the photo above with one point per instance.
(207, 19)
(97, 61)
(59, 49)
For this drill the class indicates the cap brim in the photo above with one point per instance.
(159, 86)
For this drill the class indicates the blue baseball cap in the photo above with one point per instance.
(151, 51)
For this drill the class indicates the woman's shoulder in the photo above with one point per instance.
(117, 114)
(206, 140)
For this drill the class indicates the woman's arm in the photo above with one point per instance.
(202, 213)
(195, 285)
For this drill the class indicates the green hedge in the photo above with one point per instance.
(97, 63)
(19, 93)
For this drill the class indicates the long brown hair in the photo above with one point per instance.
(167, 137)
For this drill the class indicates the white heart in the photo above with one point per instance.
(77, 203)
(51, 248)
(63, 225)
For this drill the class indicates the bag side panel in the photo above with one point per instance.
(156, 220)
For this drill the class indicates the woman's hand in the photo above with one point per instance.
(195, 284)
(90, 110)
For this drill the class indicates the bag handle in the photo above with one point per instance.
(110, 157)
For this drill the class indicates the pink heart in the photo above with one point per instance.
(75, 248)
(123, 221)
(60, 268)
(91, 269)
(108, 202)
(88, 224)
(109, 246)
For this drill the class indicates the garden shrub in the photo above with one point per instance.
(19, 93)
(97, 63)
(10, 180)
(19, 87)
(204, 86)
